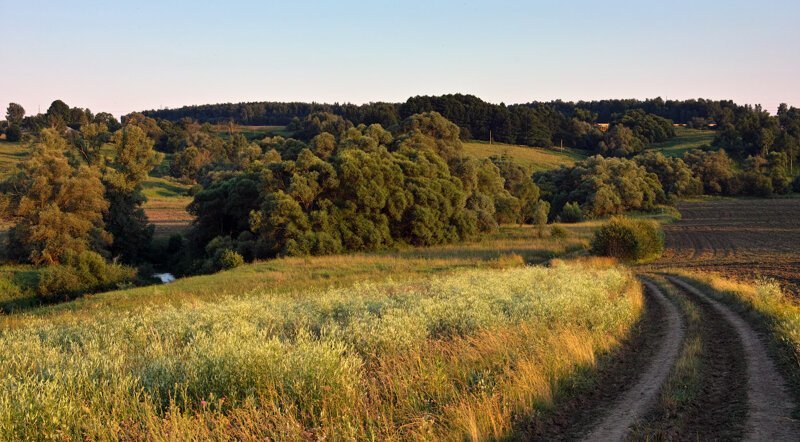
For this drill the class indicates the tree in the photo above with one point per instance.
(125, 219)
(541, 212)
(57, 208)
(621, 142)
(14, 114)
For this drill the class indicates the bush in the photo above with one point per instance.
(571, 213)
(796, 184)
(629, 240)
(559, 232)
(13, 133)
(230, 259)
(82, 273)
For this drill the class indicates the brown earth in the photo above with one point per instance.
(740, 238)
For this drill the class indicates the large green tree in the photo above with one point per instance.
(57, 208)
(126, 220)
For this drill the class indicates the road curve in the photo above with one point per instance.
(768, 400)
(638, 399)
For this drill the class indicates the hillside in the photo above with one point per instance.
(685, 139)
(536, 158)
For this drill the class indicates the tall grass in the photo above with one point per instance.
(449, 357)
(770, 307)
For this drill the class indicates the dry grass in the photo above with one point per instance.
(452, 357)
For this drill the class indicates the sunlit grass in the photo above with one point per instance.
(685, 139)
(455, 356)
(536, 158)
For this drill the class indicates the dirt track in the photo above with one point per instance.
(768, 400)
(742, 238)
(743, 394)
(638, 399)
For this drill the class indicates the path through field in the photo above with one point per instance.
(742, 394)
(637, 400)
(769, 405)
(743, 238)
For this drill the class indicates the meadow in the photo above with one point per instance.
(685, 139)
(535, 158)
(462, 355)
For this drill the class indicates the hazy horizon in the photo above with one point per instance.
(133, 57)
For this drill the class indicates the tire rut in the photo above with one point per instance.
(637, 400)
(769, 404)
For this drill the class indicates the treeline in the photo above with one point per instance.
(533, 125)
(600, 186)
(693, 112)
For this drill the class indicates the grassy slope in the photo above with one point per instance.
(537, 158)
(685, 139)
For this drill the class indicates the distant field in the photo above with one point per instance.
(537, 158)
(685, 139)
(254, 132)
(743, 238)
(10, 155)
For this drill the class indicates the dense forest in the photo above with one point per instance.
(354, 178)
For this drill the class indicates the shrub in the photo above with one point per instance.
(559, 232)
(230, 259)
(629, 240)
(82, 273)
(571, 213)
(13, 133)
(796, 184)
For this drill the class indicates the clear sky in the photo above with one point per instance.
(125, 56)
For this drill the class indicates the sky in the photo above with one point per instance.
(121, 57)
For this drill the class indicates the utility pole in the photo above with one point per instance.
(562, 145)
(490, 136)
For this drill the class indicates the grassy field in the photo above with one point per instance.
(685, 139)
(456, 356)
(537, 158)
(253, 132)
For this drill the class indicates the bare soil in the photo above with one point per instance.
(643, 392)
(769, 403)
(741, 238)
(576, 412)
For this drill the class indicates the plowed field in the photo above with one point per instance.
(742, 238)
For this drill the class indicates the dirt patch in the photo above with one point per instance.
(741, 238)
(769, 413)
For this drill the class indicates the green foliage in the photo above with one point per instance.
(714, 169)
(571, 213)
(125, 220)
(230, 259)
(362, 188)
(620, 141)
(675, 176)
(631, 240)
(13, 133)
(14, 114)
(81, 273)
(603, 186)
(647, 127)
(57, 208)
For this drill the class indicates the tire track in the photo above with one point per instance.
(769, 403)
(637, 400)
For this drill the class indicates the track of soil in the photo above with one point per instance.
(743, 395)
(742, 238)
(769, 403)
(577, 411)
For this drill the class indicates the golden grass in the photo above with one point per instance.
(451, 357)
